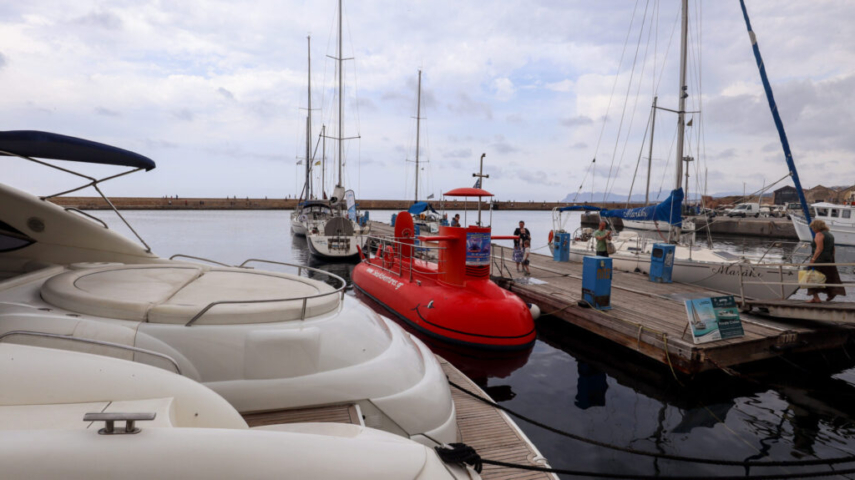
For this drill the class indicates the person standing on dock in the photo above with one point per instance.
(602, 236)
(522, 235)
(822, 251)
(525, 259)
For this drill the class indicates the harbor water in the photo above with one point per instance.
(790, 408)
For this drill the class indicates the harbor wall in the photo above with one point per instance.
(143, 203)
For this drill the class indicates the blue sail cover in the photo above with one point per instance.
(35, 144)
(420, 207)
(668, 211)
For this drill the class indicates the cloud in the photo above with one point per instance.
(107, 113)
(225, 93)
(150, 143)
(576, 121)
(514, 118)
(459, 153)
(3, 61)
(579, 146)
(183, 115)
(504, 88)
(502, 146)
(467, 106)
(562, 86)
(100, 19)
(538, 177)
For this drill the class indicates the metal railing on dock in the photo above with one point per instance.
(782, 284)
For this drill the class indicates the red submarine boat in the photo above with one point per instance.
(452, 299)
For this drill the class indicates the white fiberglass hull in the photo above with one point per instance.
(334, 247)
(298, 228)
(653, 226)
(699, 270)
(843, 234)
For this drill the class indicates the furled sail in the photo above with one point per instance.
(669, 211)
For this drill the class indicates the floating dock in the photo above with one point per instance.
(651, 318)
(486, 429)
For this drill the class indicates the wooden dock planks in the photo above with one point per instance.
(491, 433)
(651, 317)
(479, 425)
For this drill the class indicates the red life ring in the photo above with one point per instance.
(551, 236)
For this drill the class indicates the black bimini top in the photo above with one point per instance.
(35, 144)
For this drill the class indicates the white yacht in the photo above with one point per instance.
(74, 415)
(265, 341)
(839, 218)
(339, 237)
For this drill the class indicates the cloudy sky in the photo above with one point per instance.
(213, 91)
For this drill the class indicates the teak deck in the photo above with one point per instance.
(480, 426)
(651, 318)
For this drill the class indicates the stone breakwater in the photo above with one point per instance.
(143, 203)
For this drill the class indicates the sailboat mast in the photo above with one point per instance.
(418, 129)
(681, 111)
(323, 160)
(785, 144)
(340, 99)
(650, 153)
(309, 129)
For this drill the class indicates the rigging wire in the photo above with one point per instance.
(635, 104)
(608, 107)
(626, 100)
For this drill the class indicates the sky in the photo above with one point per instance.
(216, 93)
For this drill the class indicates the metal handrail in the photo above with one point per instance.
(95, 342)
(201, 259)
(89, 215)
(300, 268)
(399, 253)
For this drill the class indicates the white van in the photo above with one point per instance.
(745, 210)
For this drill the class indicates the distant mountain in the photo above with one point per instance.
(597, 197)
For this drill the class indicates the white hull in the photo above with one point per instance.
(652, 226)
(334, 247)
(843, 234)
(702, 269)
(259, 354)
(298, 228)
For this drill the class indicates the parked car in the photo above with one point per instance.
(745, 210)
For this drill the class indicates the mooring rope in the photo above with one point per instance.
(666, 456)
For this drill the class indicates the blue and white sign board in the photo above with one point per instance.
(477, 248)
(714, 318)
(350, 199)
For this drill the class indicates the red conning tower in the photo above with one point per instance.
(453, 299)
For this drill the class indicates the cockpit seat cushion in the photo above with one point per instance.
(174, 294)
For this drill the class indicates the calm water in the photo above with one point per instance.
(791, 408)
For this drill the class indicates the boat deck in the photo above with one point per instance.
(651, 318)
(486, 429)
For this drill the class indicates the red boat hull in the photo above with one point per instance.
(479, 314)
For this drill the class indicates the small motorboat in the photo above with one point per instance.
(449, 297)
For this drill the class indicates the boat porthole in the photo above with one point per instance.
(36, 224)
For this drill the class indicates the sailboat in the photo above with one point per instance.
(422, 212)
(696, 264)
(338, 236)
(309, 213)
(688, 226)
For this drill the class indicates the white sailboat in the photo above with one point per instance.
(339, 236)
(693, 263)
(265, 341)
(308, 213)
(423, 214)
